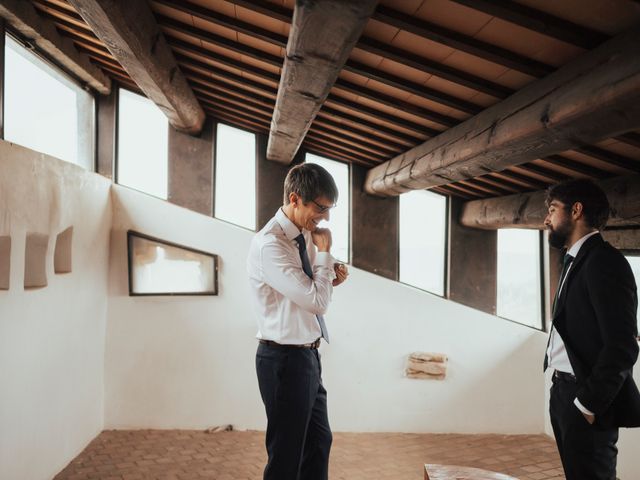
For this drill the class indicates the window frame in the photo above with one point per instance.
(59, 70)
(215, 174)
(349, 201)
(543, 273)
(446, 287)
(116, 146)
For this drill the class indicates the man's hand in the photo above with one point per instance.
(341, 273)
(589, 418)
(322, 239)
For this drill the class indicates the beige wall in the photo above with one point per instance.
(51, 339)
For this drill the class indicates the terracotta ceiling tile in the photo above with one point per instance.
(262, 21)
(183, 17)
(405, 6)
(453, 16)
(218, 5)
(379, 31)
(475, 65)
(403, 71)
(387, 90)
(620, 148)
(353, 77)
(450, 88)
(365, 57)
(422, 46)
(259, 44)
(483, 99)
(437, 107)
(214, 28)
(514, 79)
(606, 16)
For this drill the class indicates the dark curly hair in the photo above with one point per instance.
(595, 205)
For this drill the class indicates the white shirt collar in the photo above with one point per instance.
(288, 227)
(575, 248)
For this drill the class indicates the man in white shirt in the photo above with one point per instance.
(592, 344)
(292, 275)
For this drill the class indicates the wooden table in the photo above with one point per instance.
(455, 472)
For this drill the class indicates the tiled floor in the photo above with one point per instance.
(193, 455)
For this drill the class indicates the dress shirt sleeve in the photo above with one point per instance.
(282, 270)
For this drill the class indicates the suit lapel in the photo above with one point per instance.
(589, 245)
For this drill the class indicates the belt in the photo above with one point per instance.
(564, 376)
(271, 343)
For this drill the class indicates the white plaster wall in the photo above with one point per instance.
(51, 339)
(189, 362)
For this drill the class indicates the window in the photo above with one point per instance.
(143, 132)
(519, 276)
(634, 261)
(45, 110)
(339, 217)
(236, 176)
(423, 237)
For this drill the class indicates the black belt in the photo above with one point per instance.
(271, 343)
(564, 376)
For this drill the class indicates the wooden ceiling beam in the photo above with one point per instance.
(23, 18)
(351, 66)
(631, 138)
(130, 32)
(528, 210)
(538, 21)
(275, 61)
(395, 54)
(266, 104)
(594, 97)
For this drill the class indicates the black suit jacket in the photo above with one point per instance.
(596, 318)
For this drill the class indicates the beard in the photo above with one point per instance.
(558, 236)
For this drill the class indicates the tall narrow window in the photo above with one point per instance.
(423, 234)
(519, 276)
(339, 217)
(143, 132)
(634, 261)
(45, 110)
(236, 176)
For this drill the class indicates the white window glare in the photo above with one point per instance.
(423, 240)
(143, 132)
(339, 217)
(635, 268)
(236, 176)
(44, 110)
(519, 276)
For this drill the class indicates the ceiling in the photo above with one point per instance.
(419, 68)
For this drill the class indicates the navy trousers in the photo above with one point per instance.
(298, 436)
(588, 452)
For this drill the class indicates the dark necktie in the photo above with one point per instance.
(566, 263)
(306, 266)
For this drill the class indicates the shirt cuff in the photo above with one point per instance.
(582, 408)
(324, 259)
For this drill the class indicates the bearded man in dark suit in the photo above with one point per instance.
(593, 341)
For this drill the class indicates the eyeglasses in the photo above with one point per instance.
(323, 208)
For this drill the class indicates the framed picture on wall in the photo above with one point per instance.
(158, 267)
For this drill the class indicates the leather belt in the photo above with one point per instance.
(271, 343)
(564, 376)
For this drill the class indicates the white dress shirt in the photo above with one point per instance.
(286, 300)
(557, 352)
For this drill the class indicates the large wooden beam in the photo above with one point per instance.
(130, 32)
(528, 210)
(323, 32)
(594, 97)
(22, 17)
